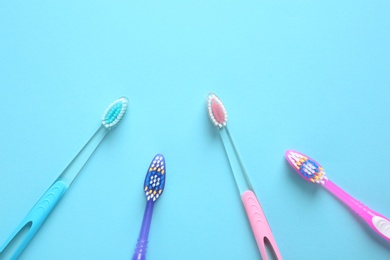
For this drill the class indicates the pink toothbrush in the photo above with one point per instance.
(312, 171)
(257, 220)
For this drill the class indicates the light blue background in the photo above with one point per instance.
(306, 75)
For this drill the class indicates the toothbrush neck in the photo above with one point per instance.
(147, 220)
(354, 204)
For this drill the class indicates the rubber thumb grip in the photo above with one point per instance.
(259, 224)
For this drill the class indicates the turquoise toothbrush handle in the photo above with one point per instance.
(26, 230)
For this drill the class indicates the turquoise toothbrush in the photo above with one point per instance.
(153, 188)
(22, 235)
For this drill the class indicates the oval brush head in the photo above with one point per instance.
(155, 178)
(114, 112)
(216, 110)
(307, 168)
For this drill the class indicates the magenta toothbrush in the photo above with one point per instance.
(312, 171)
(257, 219)
(153, 187)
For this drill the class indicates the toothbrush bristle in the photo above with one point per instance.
(308, 168)
(155, 178)
(216, 111)
(115, 112)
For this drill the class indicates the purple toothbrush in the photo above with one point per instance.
(154, 187)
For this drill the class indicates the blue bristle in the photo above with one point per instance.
(307, 175)
(113, 113)
(155, 176)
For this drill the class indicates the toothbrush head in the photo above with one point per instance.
(155, 178)
(114, 112)
(307, 168)
(216, 110)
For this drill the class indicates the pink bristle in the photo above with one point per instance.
(217, 111)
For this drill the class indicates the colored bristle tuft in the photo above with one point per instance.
(155, 178)
(308, 168)
(216, 110)
(115, 112)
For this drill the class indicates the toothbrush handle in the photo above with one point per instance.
(259, 224)
(26, 230)
(379, 223)
(142, 242)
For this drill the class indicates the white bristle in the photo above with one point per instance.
(118, 118)
(210, 111)
(309, 167)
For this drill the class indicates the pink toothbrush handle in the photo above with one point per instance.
(259, 224)
(379, 223)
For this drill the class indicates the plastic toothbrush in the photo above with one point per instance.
(22, 235)
(153, 188)
(257, 219)
(312, 171)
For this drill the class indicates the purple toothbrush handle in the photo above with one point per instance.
(142, 242)
(379, 223)
(259, 224)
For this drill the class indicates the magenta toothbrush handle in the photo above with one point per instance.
(142, 242)
(379, 223)
(259, 224)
